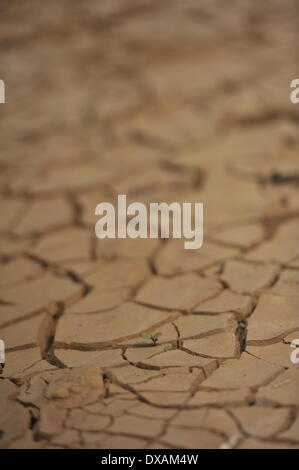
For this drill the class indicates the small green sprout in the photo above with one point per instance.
(167, 348)
(153, 337)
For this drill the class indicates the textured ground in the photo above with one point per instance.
(163, 101)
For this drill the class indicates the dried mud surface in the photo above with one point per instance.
(162, 101)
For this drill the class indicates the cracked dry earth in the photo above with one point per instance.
(162, 101)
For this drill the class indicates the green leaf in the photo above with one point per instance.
(156, 335)
(145, 335)
(167, 348)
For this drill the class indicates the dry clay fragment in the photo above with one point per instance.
(174, 259)
(14, 418)
(173, 382)
(72, 178)
(137, 425)
(84, 421)
(51, 420)
(247, 277)
(262, 422)
(74, 358)
(243, 235)
(287, 284)
(277, 353)
(274, 317)
(192, 438)
(18, 270)
(221, 398)
(195, 326)
(43, 215)
(292, 434)
(131, 248)
(118, 274)
(10, 246)
(166, 399)
(208, 418)
(283, 248)
(74, 387)
(227, 301)
(21, 364)
(148, 411)
(125, 321)
(62, 246)
(10, 210)
(27, 441)
(98, 301)
(179, 293)
(247, 371)
(23, 333)
(221, 345)
(178, 358)
(133, 375)
(283, 390)
(36, 294)
(70, 438)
